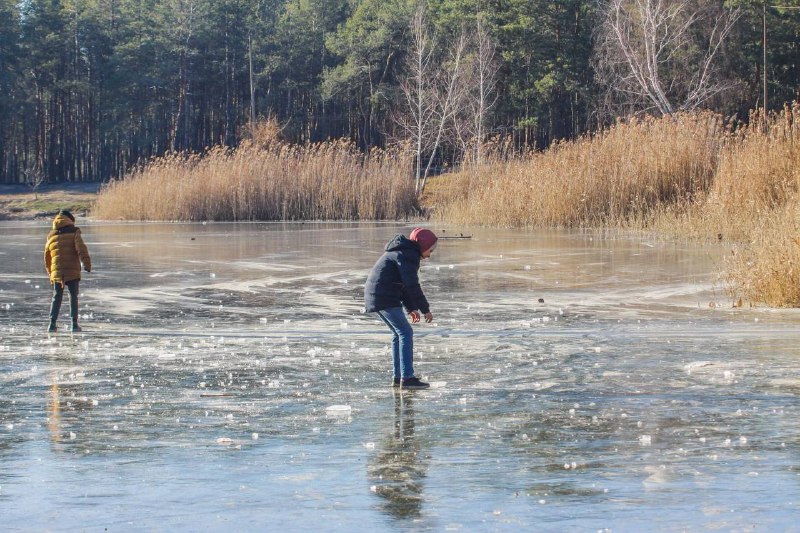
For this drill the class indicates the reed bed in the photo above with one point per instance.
(686, 176)
(614, 178)
(269, 180)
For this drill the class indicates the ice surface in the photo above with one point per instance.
(226, 378)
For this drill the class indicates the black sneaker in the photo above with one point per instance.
(396, 382)
(76, 328)
(51, 328)
(413, 384)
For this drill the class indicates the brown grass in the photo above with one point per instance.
(615, 178)
(265, 179)
(767, 267)
(688, 176)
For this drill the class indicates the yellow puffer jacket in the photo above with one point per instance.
(65, 251)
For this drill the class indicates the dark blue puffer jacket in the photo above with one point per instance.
(394, 281)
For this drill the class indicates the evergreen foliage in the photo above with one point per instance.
(91, 88)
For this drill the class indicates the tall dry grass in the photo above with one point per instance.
(688, 176)
(756, 201)
(617, 177)
(265, 179)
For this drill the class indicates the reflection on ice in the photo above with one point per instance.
(578, 383)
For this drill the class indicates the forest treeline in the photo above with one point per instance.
(90, 88)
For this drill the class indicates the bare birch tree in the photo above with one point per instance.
(662, 54)
(432, 91)
(34, 177)
(449, 91)
(419, 105)
(482, 95)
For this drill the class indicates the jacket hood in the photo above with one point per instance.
(62, 221)
(400, 242)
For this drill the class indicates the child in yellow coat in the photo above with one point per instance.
(64, 252)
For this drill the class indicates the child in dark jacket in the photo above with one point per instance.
(393, 284)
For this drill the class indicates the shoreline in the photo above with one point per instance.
(20, 202)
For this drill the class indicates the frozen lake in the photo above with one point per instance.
(227, 380)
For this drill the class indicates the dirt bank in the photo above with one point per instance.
(18, 202)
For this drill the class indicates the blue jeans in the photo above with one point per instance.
(402, 341)
(58, 294)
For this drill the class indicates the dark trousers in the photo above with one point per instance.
(58, 294)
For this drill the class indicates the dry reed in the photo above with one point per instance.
(689, 176)
(614, 178)
(265, 179)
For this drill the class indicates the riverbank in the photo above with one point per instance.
(18, 202)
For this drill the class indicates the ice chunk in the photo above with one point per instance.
(338, 410)
(645, 440)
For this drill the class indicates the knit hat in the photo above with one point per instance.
(425, 237)
(67, 214)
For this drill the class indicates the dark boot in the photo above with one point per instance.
(413, 384)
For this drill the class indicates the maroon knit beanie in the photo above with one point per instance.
(425, 237)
